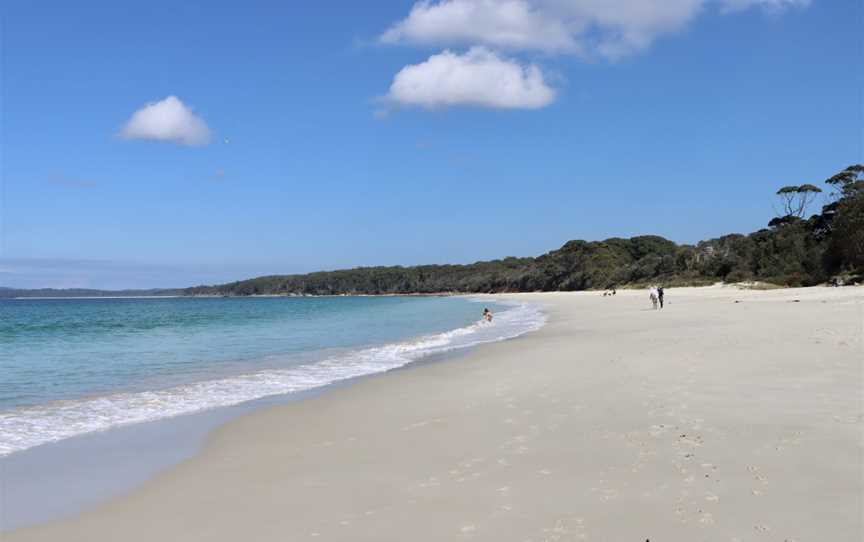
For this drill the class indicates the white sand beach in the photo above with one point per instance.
(730, 415)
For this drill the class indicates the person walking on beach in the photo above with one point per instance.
(660, 295)
(653, 296)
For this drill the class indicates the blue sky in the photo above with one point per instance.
(358, 133)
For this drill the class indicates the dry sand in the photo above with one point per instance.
(709, 420)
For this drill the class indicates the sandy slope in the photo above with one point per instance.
(709, 420)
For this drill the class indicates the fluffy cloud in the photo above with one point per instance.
(609, 28)
(168, 120)
(501, 23)
(478, 78)
(735, 5)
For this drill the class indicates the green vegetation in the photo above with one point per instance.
(792, 251)
(6, 293)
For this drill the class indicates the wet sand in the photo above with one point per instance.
(708, 420)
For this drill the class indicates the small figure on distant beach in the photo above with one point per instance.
(660, 295)
(487, 315)
(654, 296)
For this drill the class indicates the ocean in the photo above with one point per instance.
(69, 367)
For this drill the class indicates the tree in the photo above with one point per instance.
(847, 183)
(795, 199)
(849, 180)
(847, 240)
(847, 186)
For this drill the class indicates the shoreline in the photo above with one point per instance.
(274, 374)
(747, 285)
(70, 483)
(521, 439)
(57, 480)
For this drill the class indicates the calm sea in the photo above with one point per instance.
(73, 366)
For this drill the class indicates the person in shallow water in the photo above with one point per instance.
(487, 315)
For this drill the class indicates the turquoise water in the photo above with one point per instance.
(72, 366)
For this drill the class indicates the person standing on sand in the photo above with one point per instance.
(660, 295)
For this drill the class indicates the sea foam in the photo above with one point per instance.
(31, 426)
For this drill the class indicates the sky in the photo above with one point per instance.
(166, 144)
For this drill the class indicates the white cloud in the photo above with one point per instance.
(737, 5)
(502, 23)
(478, 78)
(609, 28)
(168, 120)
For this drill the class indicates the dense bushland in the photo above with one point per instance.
(791, 251)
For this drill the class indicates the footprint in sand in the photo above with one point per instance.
(564, 529)
(680, 468)
(420, 424)
(505, 508)
(762, 528)
(430, 482)
(608, 495)
(706, 518)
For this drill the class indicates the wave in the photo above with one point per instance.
(35, 425)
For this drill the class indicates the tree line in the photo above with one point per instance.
(794, 250)
(11, 293)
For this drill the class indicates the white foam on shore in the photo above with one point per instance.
(31, 426)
